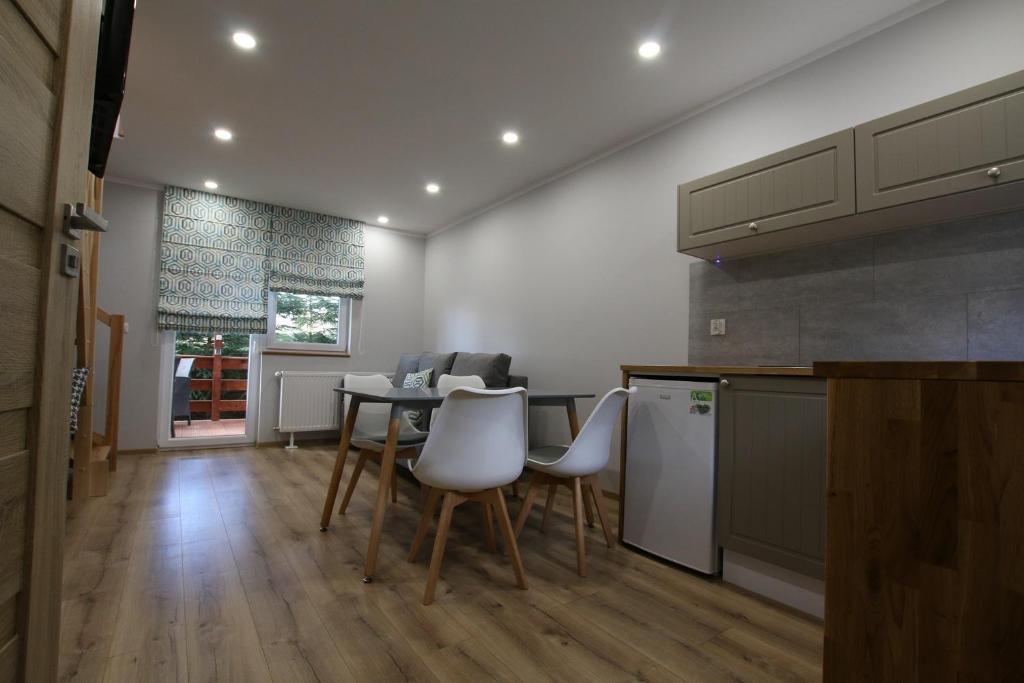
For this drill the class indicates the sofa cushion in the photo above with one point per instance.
(440, 363)
(492, 367)
(409, 362)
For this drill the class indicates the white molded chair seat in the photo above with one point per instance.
(371, 428)
(445, 383)
(542, 458)
(371, 432)
(476, 446)
(577, 467)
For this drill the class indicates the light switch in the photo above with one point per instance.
(70, 261)
(718, 327)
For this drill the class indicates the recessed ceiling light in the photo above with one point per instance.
(223, 134)
(649, 50)
(383, 220)
(244, 40)
(433, 188)
(211, 185)
(510, 137)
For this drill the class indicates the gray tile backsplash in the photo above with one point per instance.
(995, 323)
(940, 292)
(765, 336)
(916, 329)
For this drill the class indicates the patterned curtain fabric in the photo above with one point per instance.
(220, 256)
(312, 253)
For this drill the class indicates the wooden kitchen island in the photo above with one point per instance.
(924, 560)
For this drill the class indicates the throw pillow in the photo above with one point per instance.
(417, 380)
(78, 378)
(492, 367)
(440, 363)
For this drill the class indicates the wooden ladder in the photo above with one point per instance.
(94, 453)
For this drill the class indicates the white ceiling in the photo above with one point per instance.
(349, 107)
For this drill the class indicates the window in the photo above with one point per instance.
(308, 322)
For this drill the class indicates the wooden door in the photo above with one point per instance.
(771, 471)
(966, 141)
(47, 72)
(803, 184)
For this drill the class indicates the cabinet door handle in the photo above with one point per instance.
(994, 172)
(753, 227)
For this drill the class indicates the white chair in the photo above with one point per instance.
(477, 445)
(577, 466)
(445, 383)
(371, 431)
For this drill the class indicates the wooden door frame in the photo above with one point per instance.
(48, 438)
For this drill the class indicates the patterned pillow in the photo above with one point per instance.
(417, 380)
(78, 377)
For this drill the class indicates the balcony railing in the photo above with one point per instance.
(217, 384)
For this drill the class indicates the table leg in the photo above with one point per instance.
(387, 469)
(574, 421)
(339, 462)
(574, 430)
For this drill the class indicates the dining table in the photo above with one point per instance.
(401, 400)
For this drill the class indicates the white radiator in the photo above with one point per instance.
(308, 402)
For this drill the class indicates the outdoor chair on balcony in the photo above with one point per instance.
(181, 392)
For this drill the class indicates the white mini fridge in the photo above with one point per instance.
(671, 461)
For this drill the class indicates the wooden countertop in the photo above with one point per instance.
(991, 371)
(718, 370)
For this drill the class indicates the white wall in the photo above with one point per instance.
(581, 275)
(129, 267)
(388, 322)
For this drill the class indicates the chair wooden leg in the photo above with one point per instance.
(594, 484)
(577, 505)
(439, 540)
(429, 508)
(489, 539)
(505, 524)
(515, 488)
(587, 509)
(353, 480)
(548, 504)
(531, 496)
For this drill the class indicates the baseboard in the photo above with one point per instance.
(300, 443)
(135, 451)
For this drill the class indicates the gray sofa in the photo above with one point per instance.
(493, 368)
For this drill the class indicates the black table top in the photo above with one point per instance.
(433, 396)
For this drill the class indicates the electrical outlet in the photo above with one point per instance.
(718, 327)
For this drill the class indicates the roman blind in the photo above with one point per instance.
(220, 257)
(313, 253)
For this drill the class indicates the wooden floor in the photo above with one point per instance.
(204, 428)
(210, 567)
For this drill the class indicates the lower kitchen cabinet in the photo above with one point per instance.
(771, 478)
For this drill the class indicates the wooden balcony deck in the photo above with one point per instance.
(208, 428)
(211, 403)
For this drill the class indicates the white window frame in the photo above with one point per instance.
(344, 329)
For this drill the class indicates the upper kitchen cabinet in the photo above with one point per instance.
(969, 140)
(804, 184)
(951, 158)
